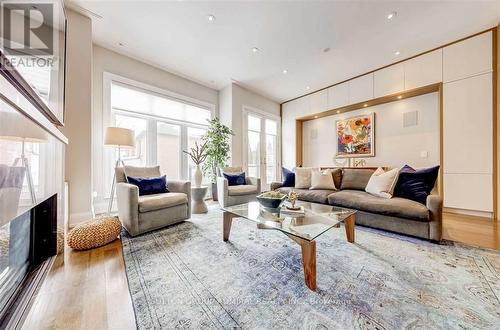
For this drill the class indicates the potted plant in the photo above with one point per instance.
(217, 149)
(198, 155)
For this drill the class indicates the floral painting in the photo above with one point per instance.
(355, 136)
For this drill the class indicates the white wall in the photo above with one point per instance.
(232, 100)
(395, 145)
(78, 103)
(108, 61)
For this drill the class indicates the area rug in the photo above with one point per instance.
(185, 276)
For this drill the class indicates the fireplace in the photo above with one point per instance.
(27, 245)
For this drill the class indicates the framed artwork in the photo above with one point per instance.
(355, 136)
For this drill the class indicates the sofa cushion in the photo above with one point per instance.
(337, 177)
(381, 183)
(288, 177)
(356, 179)
(149, 186)
(235, 179)
(303, 177)
(243, 189)
(160, 201)
(416, 184)
(396, 207)
(314, 196)
(322, 179)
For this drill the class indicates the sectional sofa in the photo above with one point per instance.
(396, 214)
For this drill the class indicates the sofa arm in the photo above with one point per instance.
(222, 189)
(435, 206)
(181, 186)
(254, 182)
(276, 185)
(127, 196)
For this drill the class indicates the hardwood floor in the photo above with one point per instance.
(84, 290)
(89, 290)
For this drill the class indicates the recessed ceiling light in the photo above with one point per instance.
(285, 71)
(392, 15)
(400, 97)
(211, 18)
(315, 117)
(365, 105)
(338, 111)
(397, 52)
(255, 50)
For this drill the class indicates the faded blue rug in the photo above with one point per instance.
(185, 276)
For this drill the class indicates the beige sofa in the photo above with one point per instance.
(141, 214)
(396, 214)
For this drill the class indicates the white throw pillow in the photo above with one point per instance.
(302, 177)
(382, 183)
(322, 179)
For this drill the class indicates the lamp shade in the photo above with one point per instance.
(16, 127)
(118, 136)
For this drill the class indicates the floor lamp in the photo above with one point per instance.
(15, 127)
(119, 138)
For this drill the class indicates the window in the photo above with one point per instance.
(164, 126)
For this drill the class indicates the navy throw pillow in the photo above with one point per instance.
(288, 177)
(416, 184)
(149, 186)
(235, 179)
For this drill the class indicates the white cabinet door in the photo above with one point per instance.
(338, 96)
(467, 125)
(389, 80)
(361, 89)
(424, 70)
(469, 191)
(467, 58)
(288, 116)
(318, 101)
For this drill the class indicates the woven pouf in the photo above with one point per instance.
(94, 233)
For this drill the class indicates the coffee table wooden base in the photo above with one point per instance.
(308, 247)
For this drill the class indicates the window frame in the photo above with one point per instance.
(152, 120)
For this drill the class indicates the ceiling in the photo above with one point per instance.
(177, 36)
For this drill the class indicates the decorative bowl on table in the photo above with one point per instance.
(271, 199)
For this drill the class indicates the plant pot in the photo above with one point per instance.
(214, 192)
(198, 177)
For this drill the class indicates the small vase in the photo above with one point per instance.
(198, 177)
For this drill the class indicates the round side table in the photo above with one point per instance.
(198, 204)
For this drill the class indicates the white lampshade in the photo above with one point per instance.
(117, 136)
(16, 127)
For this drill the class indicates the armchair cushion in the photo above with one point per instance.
(149, 186)
(244, 189)
(235, 179)
(160, 201)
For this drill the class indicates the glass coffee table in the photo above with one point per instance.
(303, 229)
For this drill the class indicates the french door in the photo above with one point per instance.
(261, 146)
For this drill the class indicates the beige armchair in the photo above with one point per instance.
(140, 214)
(234, 195)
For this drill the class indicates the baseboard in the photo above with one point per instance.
(481, 214)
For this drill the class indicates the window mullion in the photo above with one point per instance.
(183, 156)
(152, 142)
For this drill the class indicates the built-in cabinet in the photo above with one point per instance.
(470, 57)
(361, 89)
(466, 70)
(389, 80)
(423, 70)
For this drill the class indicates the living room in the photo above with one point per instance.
(242, 164)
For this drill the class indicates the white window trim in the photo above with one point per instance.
(262, 114)
(107, 120)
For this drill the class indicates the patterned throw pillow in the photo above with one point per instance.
(416, 184)
(149, 186)
(288, 177)
(234, 179)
